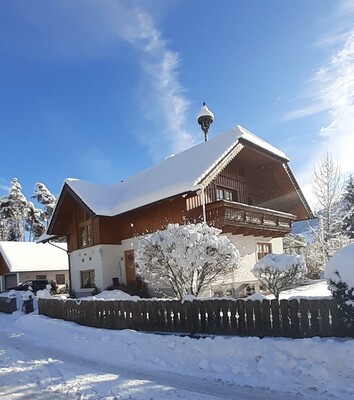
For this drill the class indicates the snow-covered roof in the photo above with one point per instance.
(177, 174)
(30, 256)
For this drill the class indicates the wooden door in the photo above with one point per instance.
(130, 266)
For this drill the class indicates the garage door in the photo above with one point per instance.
(10, 280)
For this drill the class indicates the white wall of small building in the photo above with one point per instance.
(106, 260)
(31, 275)
(50, 275)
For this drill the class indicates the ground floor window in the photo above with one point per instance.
(41, 276)
(87, 278)
(60, 279)
(263, 249)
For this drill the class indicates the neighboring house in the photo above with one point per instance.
(23, 261)
(294, 244)
(236, 182)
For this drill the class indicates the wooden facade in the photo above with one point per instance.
(4, 268)
(252, 195)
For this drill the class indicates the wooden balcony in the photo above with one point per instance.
(239, 218)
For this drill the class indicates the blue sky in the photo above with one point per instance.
(100, 90)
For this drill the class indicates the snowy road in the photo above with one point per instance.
(42, 358)
(43, 373)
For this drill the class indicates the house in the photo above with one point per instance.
(23, 261)
(236, 181)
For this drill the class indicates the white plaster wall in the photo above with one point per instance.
(247, 246)
(105, 260)
(112, 265)
(50, 275)
(84, 259)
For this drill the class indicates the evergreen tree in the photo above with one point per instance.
(13, 211)
(348, 208)
(34, 227)
(20, 219)
(47, 199)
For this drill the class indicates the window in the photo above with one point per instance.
(41, 276)
(85, 229)
(219, 194)
(228, 195)
(87, 278)
(225, 194)
(60, 279)
(263, 249)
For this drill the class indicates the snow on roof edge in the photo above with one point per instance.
(251, 137)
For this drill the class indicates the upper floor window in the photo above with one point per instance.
(84, 229)
(263, 249)
(225, 194)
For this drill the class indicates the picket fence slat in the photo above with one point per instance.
(295, 319)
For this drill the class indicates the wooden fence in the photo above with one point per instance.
(8, 305)
(296, 319)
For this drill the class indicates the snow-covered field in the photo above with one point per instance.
(43, 358)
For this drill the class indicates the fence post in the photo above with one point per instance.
(294, 317)
(285, 321)
(266, 325)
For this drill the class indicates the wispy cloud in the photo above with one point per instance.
(331, 92)
(64, 31)
(335, 82)
(162, 97)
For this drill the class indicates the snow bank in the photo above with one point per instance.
(111, 295)
(313, 368)
(315, 290)
(343, 262)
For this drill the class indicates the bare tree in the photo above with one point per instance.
(185, 258)
(280, 271)
(328, 188)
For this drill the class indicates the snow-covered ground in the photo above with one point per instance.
(43, 358)
(317, 289)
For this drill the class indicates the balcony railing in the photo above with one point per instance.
(228, 213)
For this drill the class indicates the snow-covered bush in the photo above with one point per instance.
(279, 271)
(339, 273)
(185, 258)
